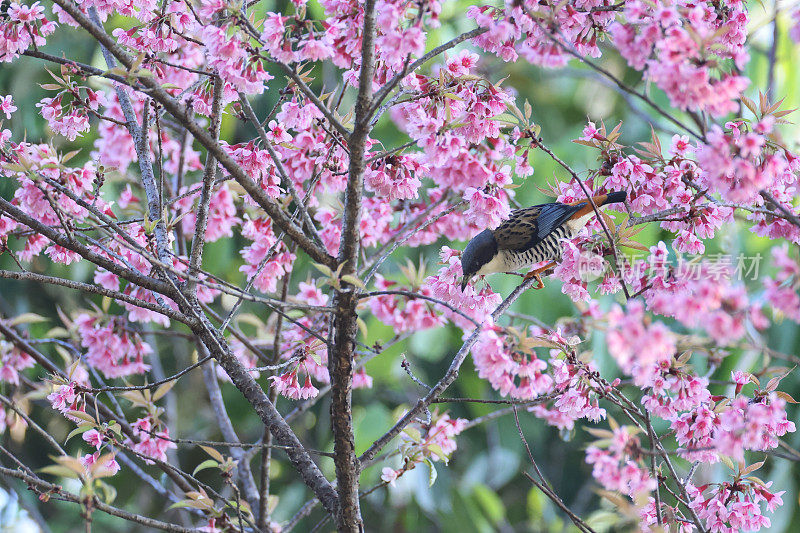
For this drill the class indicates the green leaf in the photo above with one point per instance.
(116, 71)
(316, 357)
(272, 503)
(109, 492)
(489, 502)
(362, 326)
(323, 268)
(163, 389)
(786, 396)
(752, 468)
(26, 318)
(60, 471)
(57, 333)
(250, 319)
(69, 155)
(727, 461)
(82, 428)
(413, 433)
(188, 503)
(208, 463)
(432, 474)
(83, 416)
(435, 448)
(353, 280)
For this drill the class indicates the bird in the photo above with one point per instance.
(529, 236)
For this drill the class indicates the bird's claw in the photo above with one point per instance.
(537, 274)
(534, 274)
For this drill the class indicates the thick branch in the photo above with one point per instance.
(139, 136)
(181, 114)
(133, 276)
(269, 415)
(345, 328)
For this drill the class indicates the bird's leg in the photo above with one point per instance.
(536, 274)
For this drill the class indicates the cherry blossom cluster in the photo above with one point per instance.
(618, 463)
(455, 113)
(730, 507)
(22, 26)
(543, 33)
(12, 362)
(782, 290)
(402, 314)
(428, 443)
(739, 161)
(99, 442)
(152, 439)
(681, 45)
(68, 111)
(506, 359)
(667, 330)
(48, 192)
(110, 348)
(65, 399)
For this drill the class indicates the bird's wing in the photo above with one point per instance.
(529, 226)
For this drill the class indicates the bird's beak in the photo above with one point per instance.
(464, 282)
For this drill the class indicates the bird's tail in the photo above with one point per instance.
(612, 198)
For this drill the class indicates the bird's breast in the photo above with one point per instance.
(499, 263)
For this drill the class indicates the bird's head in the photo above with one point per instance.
(480, 250)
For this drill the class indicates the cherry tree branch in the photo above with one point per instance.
(544, 486)
(84, 251)
(96, 289)
(345, 327)
(269, 415)
(416, 295)
(181, 114)
(51, 490)
(450, 376)
(139, 137)
(229, 433)
(286, 181)
(209, 172)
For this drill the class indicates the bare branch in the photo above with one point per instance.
(42, 487)
(209, 172)
(450, 376)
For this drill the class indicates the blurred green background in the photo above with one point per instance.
(483, 488)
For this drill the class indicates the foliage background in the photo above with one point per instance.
(483, 488)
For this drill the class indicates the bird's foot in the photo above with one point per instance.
(537, 275)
